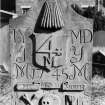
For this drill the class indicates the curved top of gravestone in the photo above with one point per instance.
(62, 17)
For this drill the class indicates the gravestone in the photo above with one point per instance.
(51, 50)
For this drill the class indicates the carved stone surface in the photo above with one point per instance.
(51, 63)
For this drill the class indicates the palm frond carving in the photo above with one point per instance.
(52, 16)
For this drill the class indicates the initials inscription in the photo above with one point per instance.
(47, 56)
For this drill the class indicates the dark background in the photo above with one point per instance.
(8, 5)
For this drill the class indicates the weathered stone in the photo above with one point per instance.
(57, 59)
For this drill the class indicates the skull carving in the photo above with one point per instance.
(49, 100)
